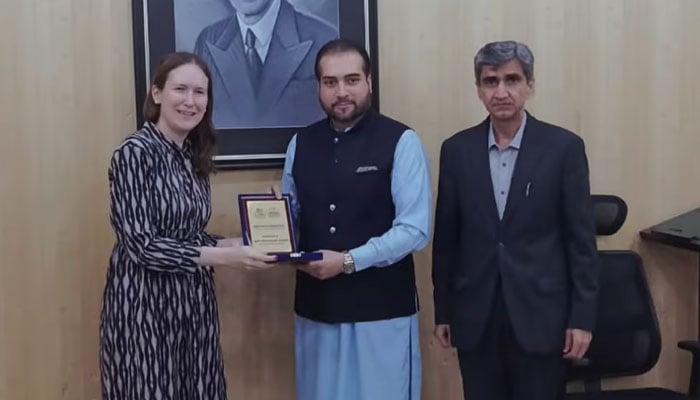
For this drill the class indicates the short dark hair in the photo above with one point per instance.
(202, 136)
(337, 46)
(495, 54)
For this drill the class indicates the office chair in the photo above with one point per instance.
(627, 339)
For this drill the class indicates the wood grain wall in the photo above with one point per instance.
(621, 73)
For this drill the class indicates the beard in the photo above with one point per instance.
(340, 118)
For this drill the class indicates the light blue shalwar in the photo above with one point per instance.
(376, 360)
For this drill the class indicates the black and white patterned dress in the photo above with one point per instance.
(159, 331)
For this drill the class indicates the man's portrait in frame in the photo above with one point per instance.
(261, 54)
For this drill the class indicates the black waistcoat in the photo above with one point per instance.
(343, 184)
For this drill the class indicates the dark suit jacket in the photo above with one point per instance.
(288, 92)
(544, 249)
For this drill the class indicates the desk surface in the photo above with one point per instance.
(682, 231)
(675, 241)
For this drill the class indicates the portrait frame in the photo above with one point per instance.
(241, 148)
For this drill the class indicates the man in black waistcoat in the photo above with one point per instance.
(514, 252)
(361, 186)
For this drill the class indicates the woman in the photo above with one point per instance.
(159, 331)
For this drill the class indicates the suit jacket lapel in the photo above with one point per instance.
(229, 57)
(482, 173)
(285, 55)
(528, 157)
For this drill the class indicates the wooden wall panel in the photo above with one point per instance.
(66, 101)
(620, 73)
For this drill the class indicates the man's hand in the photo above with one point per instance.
(275, 189)
(577, 342)
(330, 266)
(442, 334)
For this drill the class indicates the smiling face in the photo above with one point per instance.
(504, 91)
(344, 88)
(183, 100)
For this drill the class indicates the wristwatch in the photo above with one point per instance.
(348, 263)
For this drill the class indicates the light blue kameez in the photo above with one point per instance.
(376, 360)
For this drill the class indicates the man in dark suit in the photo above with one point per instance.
(262, 63)
(514, 253)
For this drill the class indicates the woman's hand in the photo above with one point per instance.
(230, 242)
(243, 257)
(248, 258)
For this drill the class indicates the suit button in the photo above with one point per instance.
(335, 140)
(331, 207)
(500, 244)
(332, 230)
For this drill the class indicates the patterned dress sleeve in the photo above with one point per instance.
(208, 239)
(132, 216)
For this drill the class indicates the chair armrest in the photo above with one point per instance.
(693, 346)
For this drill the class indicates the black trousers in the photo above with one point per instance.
(499, 369)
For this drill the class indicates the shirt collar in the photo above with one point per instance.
(160, 136)
(515, 143)
(263, 28)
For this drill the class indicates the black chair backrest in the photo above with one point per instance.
(626, 340)
(609, 212)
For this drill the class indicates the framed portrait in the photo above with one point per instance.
(261, 55)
